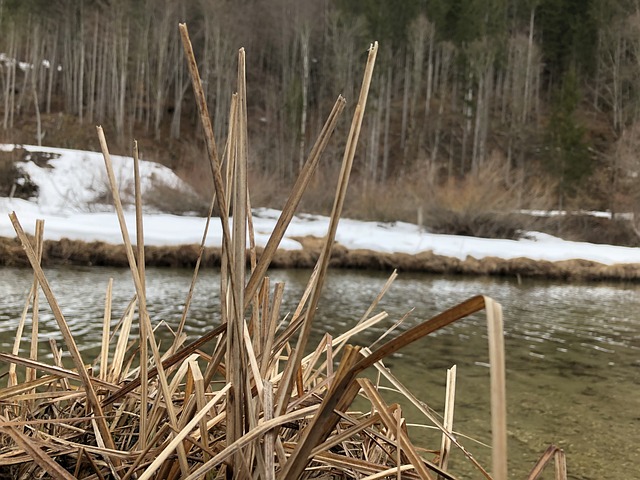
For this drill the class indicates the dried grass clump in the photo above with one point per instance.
(483, 204)
(243, 400)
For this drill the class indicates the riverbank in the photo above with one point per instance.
(77, 252)
(81, 229)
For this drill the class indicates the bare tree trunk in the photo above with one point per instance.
(122, 84)
(93, 70)
(476, 131)
(38, 120)
(24, 92)
(444, 58)
(180, 88)
(304, 44)
(467, 111)
(405, 106)
(53, 69)
(430, 62)
(387, 126)
(10, 88)
(527, 77)
(80, 76)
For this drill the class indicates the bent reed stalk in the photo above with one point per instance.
(248, 398)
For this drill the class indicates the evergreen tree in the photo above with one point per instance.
(569, 35)
(568, 159)
(386, 22)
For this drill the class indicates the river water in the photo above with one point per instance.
(573, 351)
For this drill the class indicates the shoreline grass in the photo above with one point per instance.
(243, 400)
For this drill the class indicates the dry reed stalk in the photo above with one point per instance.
(121, 346)
(495, 332)
(447, 423)
(106, 330)
(144, 317)
(32, 299)
(293, 366)
(551, 453)
(236, 362)
(144, 350)
(13, 379)
(30, 374)
(402, 440)
(38, 455)
(92, 398)
(210, 143)
(242, 416)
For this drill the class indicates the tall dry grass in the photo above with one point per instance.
(250, 398)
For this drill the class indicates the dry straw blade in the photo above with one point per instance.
(245, 399)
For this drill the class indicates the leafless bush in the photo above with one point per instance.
(388, 202)
(483, 204)
(177, 201)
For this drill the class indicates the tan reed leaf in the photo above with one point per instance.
(402, 439)
(64, 328)
(142, 299)
(47, 463)
(447, 423)
(249, 437)
(106, 330)
(284, 390)
(551, 453)
(495, 333)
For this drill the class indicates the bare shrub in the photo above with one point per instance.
(482, 204)
(388, 202)
(319, 195)
(626, 170)
(267, 190)
(177, 201)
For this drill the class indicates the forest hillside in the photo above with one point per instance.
(478, 108)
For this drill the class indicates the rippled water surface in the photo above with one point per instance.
(573, 350)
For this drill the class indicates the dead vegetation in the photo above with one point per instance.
(245, 400)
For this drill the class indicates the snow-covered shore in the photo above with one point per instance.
(71, 180)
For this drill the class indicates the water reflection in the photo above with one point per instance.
(573, 367)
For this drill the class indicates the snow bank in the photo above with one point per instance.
(71, 181)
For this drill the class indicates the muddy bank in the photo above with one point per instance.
(75, 252)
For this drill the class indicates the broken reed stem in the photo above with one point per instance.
(402, 439)
(447, 422)
(31, 374)
(143, 333)
(323, 262)
(106, 331)
(92, 398)
(214, 160)
(551, 453)
(236, 360)
(142, 302)
(495, 333)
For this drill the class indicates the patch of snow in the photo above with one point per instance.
(73, 179)
(76, 181)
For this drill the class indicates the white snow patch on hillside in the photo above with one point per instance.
(76, 181)
(71, 183)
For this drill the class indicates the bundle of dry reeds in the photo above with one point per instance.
(243, 400)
